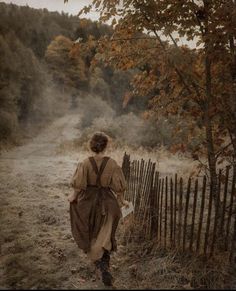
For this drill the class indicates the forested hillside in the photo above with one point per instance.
(42, 72)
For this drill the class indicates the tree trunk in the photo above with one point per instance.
(211, 155)
(232, 101)
(208, 127)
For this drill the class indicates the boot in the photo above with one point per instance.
(103, 266)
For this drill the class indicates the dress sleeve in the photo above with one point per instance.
(79, 179)
(118, 183)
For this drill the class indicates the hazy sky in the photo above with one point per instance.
(72, 7)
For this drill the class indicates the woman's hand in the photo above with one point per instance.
(72, 197)
(125, 203)
(121, 201)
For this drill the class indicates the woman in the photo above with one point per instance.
(99, 185)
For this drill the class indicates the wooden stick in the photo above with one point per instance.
(154, 207)
(148, 215)
(194, 214)
(162, 191)
(171, 211)
(216, 214)
(166, 206)
(137, 202)
(180, 210)
(186, 212)
(208, 221)
(230, 209)
(224, 200)
(175, 207)
(201, 214)
(147, 190)
(135, 180)
(158, 205)
(144, 174)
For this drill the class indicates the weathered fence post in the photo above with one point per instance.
(201, 214)
(216, 214)
(171, 211)
(230, 210)
(166, 208)
(180, 210)
(175, 207)
(154, 206)
(162, 190)
(208, 221)
(186, 212)
(194, 214)
(224, 200)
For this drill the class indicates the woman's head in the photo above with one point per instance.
(98, 142)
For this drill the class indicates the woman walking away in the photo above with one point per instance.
(99, 185)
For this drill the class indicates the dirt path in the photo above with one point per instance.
(37, 250)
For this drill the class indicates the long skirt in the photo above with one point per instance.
(94, 219)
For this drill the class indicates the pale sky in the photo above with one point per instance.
(72, 7)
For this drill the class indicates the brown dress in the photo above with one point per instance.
(96, 213)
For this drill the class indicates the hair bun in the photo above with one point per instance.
(98, 142)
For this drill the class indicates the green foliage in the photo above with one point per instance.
(35, 28)
(21, 82)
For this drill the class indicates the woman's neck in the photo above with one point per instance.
(99, 155)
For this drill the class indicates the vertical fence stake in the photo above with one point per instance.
(171, 212)
(180, 210)
(224, 200)
(230, 209)
(175, 207)
(194, 214)
(166, 206)
(201, 214)
(160, 228)
(186, 212)
(208, 221)
(158, 205)
(216, 214)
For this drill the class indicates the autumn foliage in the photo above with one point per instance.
(195, 83)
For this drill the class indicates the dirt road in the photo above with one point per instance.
(37, 250)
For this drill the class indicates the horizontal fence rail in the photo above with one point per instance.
(179, 214)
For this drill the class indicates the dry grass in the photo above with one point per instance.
(167, 163)
(153, 268)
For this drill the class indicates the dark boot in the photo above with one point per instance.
(103, 266)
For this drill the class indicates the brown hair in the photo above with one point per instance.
(98, 142)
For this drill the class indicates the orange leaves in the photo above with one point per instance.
(65, 61)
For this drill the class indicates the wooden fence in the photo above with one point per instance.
(182, 214)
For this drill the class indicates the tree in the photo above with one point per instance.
(67, 67)
(212, 25)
